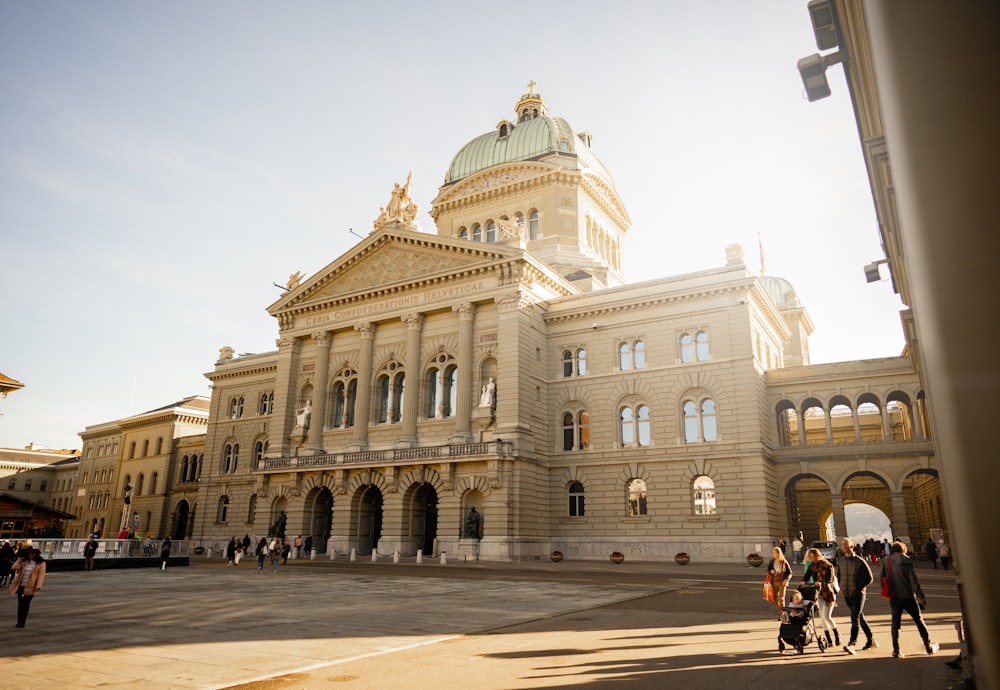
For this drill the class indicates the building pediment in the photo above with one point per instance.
(391, 260)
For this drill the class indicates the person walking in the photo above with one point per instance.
(231, 551)
(274, 548)
(309, 546)
(944, 553)
(820, 574)
(298, 546)
(89, 551)
(854, 576)
(27, 583)
(246, 544)
(906, 596)
(779, 572)
(164, 553)
(239, 553)
(797, 549)
(7, 558)
(261, 553)
(932, 553)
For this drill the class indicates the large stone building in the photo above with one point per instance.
(504, 365)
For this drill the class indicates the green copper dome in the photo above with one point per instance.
(536, 136)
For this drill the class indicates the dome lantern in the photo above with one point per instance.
(531, 105)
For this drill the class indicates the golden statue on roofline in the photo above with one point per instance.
(401, 208)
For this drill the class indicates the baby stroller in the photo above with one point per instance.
(797, 627)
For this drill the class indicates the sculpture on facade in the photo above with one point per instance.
(401, 207)
(488, 397)
(473, 523)
(304, 415)
(278, 528)
(294, 280)
(509, 228)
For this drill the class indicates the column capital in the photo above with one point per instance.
(414, 322)
(366, 330)
(288, 343)
(323, 338)
(511, 302)
(466, 311)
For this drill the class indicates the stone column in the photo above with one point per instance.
(363, 405)
(917, 433)
(285, 380)
(857, 425)
(467, 378)
(839, 517)
(900, 526)
(828, 418)
(512, 388)
(802, 426)
(886, 428)
(317, 422)
(411, 401)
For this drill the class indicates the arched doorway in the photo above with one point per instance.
(321, 517)
(925, 513)
(369, 518)
(181, 519)
(809, 506)
(422, 505)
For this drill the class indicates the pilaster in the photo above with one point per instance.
(363, 409)
(314, 444)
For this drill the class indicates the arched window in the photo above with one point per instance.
(519, 220)
(636, 497)
(159, 446)
(152, 483)
(533, 225)
(569, 432)
(433, 388)
(463, 233)
(581, 362)
(631, 355)
(344, 393)
(700, 422)
(567, 363)
(131, 450)
(576, 500)
(389, 388)
(259, 449)
(477, 233)
(450, 391)
(701, 346)
(635, 429)
(231, 457)
(687, 348)
(223, 508)
(145, 448)
(198, 464)
(149, 520)
(138, 484)
(252, 510)
(491, 231)
(703, 490)
(574, 363)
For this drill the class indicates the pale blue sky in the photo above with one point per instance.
(169, 161)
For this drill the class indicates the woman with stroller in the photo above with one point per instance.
(819, 573)
(779, 572)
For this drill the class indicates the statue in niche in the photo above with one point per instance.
(488, 397)
(278, 528)
(304, 415)
(473, 524)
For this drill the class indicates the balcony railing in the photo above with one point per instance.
(394, 455)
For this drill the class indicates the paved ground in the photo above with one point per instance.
(383, 625)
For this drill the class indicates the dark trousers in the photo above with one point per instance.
(856, 605)
(911, 607)
(23, 604)
(945, 562)
(88, 562)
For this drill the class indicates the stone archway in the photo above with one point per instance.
(809, 506)
(925, 513)
(368, 518)
(422, 517)
(320, 516)
(182, 516)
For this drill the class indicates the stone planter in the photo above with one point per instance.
(682, 559)
(617, 557)
(755, 559)
(556, 556)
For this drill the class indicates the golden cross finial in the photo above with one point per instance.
(531, 86)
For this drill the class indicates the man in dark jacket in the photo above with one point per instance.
(906, 596)
(854, 576)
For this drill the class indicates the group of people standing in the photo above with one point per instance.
(849, 579)
(936, 551)
(277, 548)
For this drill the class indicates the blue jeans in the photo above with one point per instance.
(911, 607)
(856, 605)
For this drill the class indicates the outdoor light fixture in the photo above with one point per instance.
(824, 27)
(812, 68)
(872, 273)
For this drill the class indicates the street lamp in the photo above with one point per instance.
(128, 501)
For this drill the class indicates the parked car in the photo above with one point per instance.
(828, 549)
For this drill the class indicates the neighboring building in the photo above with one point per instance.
(504, 365)
(141, 451)
(925, 100)
(37, 484)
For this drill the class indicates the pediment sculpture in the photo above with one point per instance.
(401, 208)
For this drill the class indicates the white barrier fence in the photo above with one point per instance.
(65, 549)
